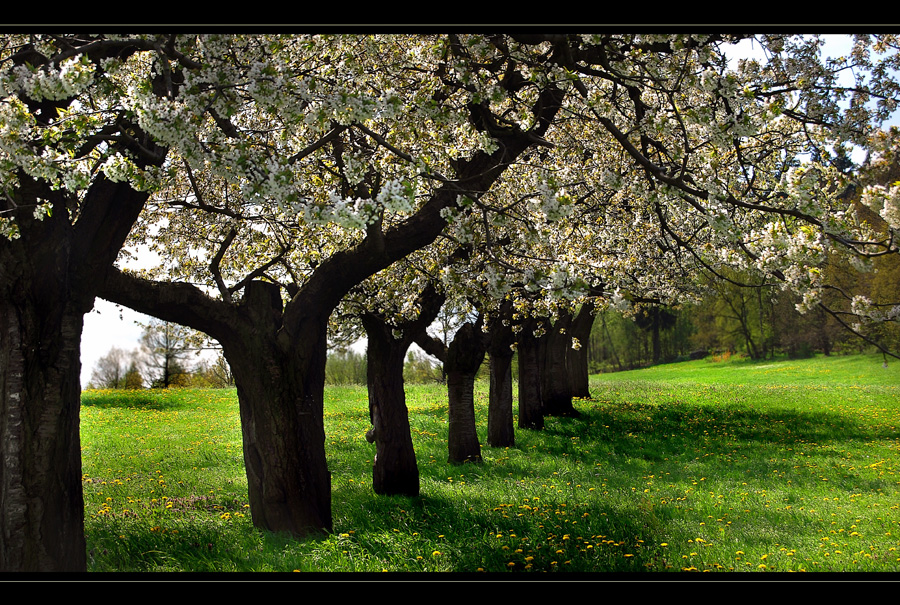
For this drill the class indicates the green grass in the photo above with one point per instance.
(700, 466)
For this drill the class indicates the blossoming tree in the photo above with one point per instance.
(275, 173)
(361, 145)
(78, 159)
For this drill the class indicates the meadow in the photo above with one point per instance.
(702, 466)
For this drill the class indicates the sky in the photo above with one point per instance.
(109, 325)
(106, 326)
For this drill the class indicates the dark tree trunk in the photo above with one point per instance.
(500, 429)
(280, 380)
(530, 413)
(556, 393)
(577, 359)
(464, 357)
(282, 424)
(42, 512)
(281, 397)
(48, 278)
(557, 387)
(657, 351)
(394, 471)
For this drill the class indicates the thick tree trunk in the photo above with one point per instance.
(282, 425)
(464, 357)
(556, 387)
(530, 414)
(462, 439)
(42, 508)
(48, 280)
(500, 429)
(394, 471)
(577, 359)
(280, 387)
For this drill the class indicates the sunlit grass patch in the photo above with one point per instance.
(695, 467)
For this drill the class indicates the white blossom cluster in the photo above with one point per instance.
(884, 201)
(551, 204)
(724, 179)
(52, 82)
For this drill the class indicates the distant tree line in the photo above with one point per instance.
(163, 359)
(758, 322)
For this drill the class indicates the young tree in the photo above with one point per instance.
(111, 370)
(133, 378)
(165, 347)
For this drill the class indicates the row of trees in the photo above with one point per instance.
(302, 190)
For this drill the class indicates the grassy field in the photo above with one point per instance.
(703, 466)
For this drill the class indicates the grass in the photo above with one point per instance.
(783, 466)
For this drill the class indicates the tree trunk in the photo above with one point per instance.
(530, 414)
(464, 357)
(577, 359)
(500, 429)
(280, 391)
(556, 388)
(394, 471)
(42, 512)
(48, 280)
(462, 439)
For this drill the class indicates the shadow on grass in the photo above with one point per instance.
(137, 399)
(615, 446)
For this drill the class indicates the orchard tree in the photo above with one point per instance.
(362, 145)
(395, 308)
(78, 159)
(697, 168)
(670, 164)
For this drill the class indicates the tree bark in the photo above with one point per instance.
(500, 426)
(42, 511)
(530, 414)
(577, 359)
(461, 362)
(555, 347)
(281, 398)
(556, 389)
(464, 357)
(48, 279)
(394, 470)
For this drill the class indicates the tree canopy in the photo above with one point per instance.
(276, 174)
